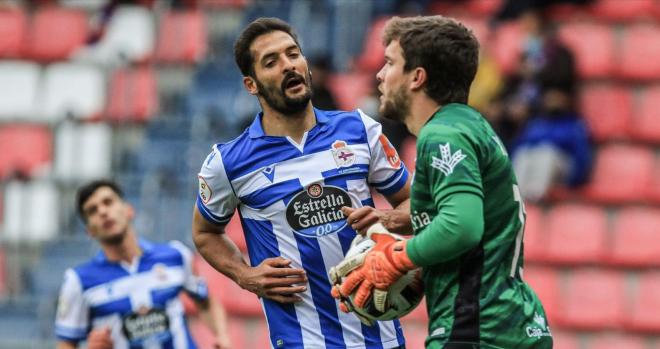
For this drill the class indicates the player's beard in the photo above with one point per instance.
(397, 107)
(114, 240)
(277, 99)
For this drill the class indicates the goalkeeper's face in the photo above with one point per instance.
(281, 75)
(393, 85)
(108, 216)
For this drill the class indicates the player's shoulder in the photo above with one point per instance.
(454, 120)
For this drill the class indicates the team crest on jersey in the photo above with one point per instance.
(161, 272)
(204, 190)
(316, 210)
(342, 154)
(447, 160)
(390, 152)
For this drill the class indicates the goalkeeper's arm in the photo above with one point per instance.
(458, 227)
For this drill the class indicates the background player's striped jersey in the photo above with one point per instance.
(139, 302)
(289, 197)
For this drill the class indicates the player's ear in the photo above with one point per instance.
(250, 85)
(419, 78)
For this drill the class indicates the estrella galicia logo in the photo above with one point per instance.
(316, 210)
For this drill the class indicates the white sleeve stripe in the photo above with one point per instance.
(69, 332)
(392, 181)
(209, 215)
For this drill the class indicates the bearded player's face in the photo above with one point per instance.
(281, 73)
(395, 97)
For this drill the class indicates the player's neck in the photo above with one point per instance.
(277, 124)
(422, 109)
(125, 251)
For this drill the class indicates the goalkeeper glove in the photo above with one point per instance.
(383, 265)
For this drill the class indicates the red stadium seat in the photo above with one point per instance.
(576, 234)
(234, 231)
(26, 149)
(597, 59)
(635, 237)
(608, 111)
(133, 95)
(535, 237)
(640, 50)
(565, 340)
(592, 299)
(373, 51)
(419, 314)
(508, 46)
(645, 124)
(545, 282)
(482, 7)
(621, 174)
(653, 193)
(221, 4)
(408, 153)
(351, 88)
(617, 10)
(415, 334)
(260, 336)
(645, 304)
(182, 37)
(13, 28)
(617, 341)
(478, 26)
(56, 33)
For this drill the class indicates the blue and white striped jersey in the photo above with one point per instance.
(289, 197)
(138, 302)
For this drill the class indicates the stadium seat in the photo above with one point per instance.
(220, 4)
(19, 85)
(591, 300)
(645, 125)
(82, 151)
(635, 237)
(30, 211)
(565, 340)
(482, 8)
(617, 10)
(419, 314)
(234, 231)
(204, 338)
(508, 46)
(608, 111)
(133, 95)
(373, 51)
(545, 282)
(576, 234)
(182, 37)
(129, 37)
(535, 238)
(13, 29)
(349, 89)
(645, 304)
(596, 60)
(72, 90)
(26, 150)
(261, 337)
(640, 49)
(89, 5)
(478, 26)
(408, 153)
(621, 174)
(56, 33)
(617, 341)
(415, 334)
(653, 192)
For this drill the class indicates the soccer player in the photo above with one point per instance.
(467, 213)
(289, 174)
(128, 295)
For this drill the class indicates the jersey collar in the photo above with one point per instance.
(146, 246)
(257, 131)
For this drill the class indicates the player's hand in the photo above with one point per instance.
(360, 219)
(222, 343)
(99, 339)
(383, 265)
(276, 280)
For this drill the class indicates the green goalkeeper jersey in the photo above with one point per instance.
(475, 295)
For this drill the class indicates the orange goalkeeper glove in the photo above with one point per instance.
(383, 265)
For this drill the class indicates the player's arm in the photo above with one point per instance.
(273, 278)
(396, 220)
(214, 316)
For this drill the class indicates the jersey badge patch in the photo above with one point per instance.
(342, 154)
(447, 160)
(269, 172)
(204, 190)
(390, 152)
(315, 211)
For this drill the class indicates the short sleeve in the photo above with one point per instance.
(449, 161)
(72, 319)
(194, 285)
(387, 174)
(216, 200)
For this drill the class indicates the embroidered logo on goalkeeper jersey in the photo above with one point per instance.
(289, 196)
(448, 161)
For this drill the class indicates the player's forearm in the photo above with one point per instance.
(455, 230)
(221, 253)
(398, 220)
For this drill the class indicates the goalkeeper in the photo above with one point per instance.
(466, 210)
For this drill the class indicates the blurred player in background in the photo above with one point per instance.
(467, 213)
(289, 174)
(128, 295)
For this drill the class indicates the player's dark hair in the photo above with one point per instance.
(258, 27)
(88, 189)
(445, 48)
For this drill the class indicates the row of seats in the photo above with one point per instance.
(602, 340)
(59, 33)
(60, 90)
